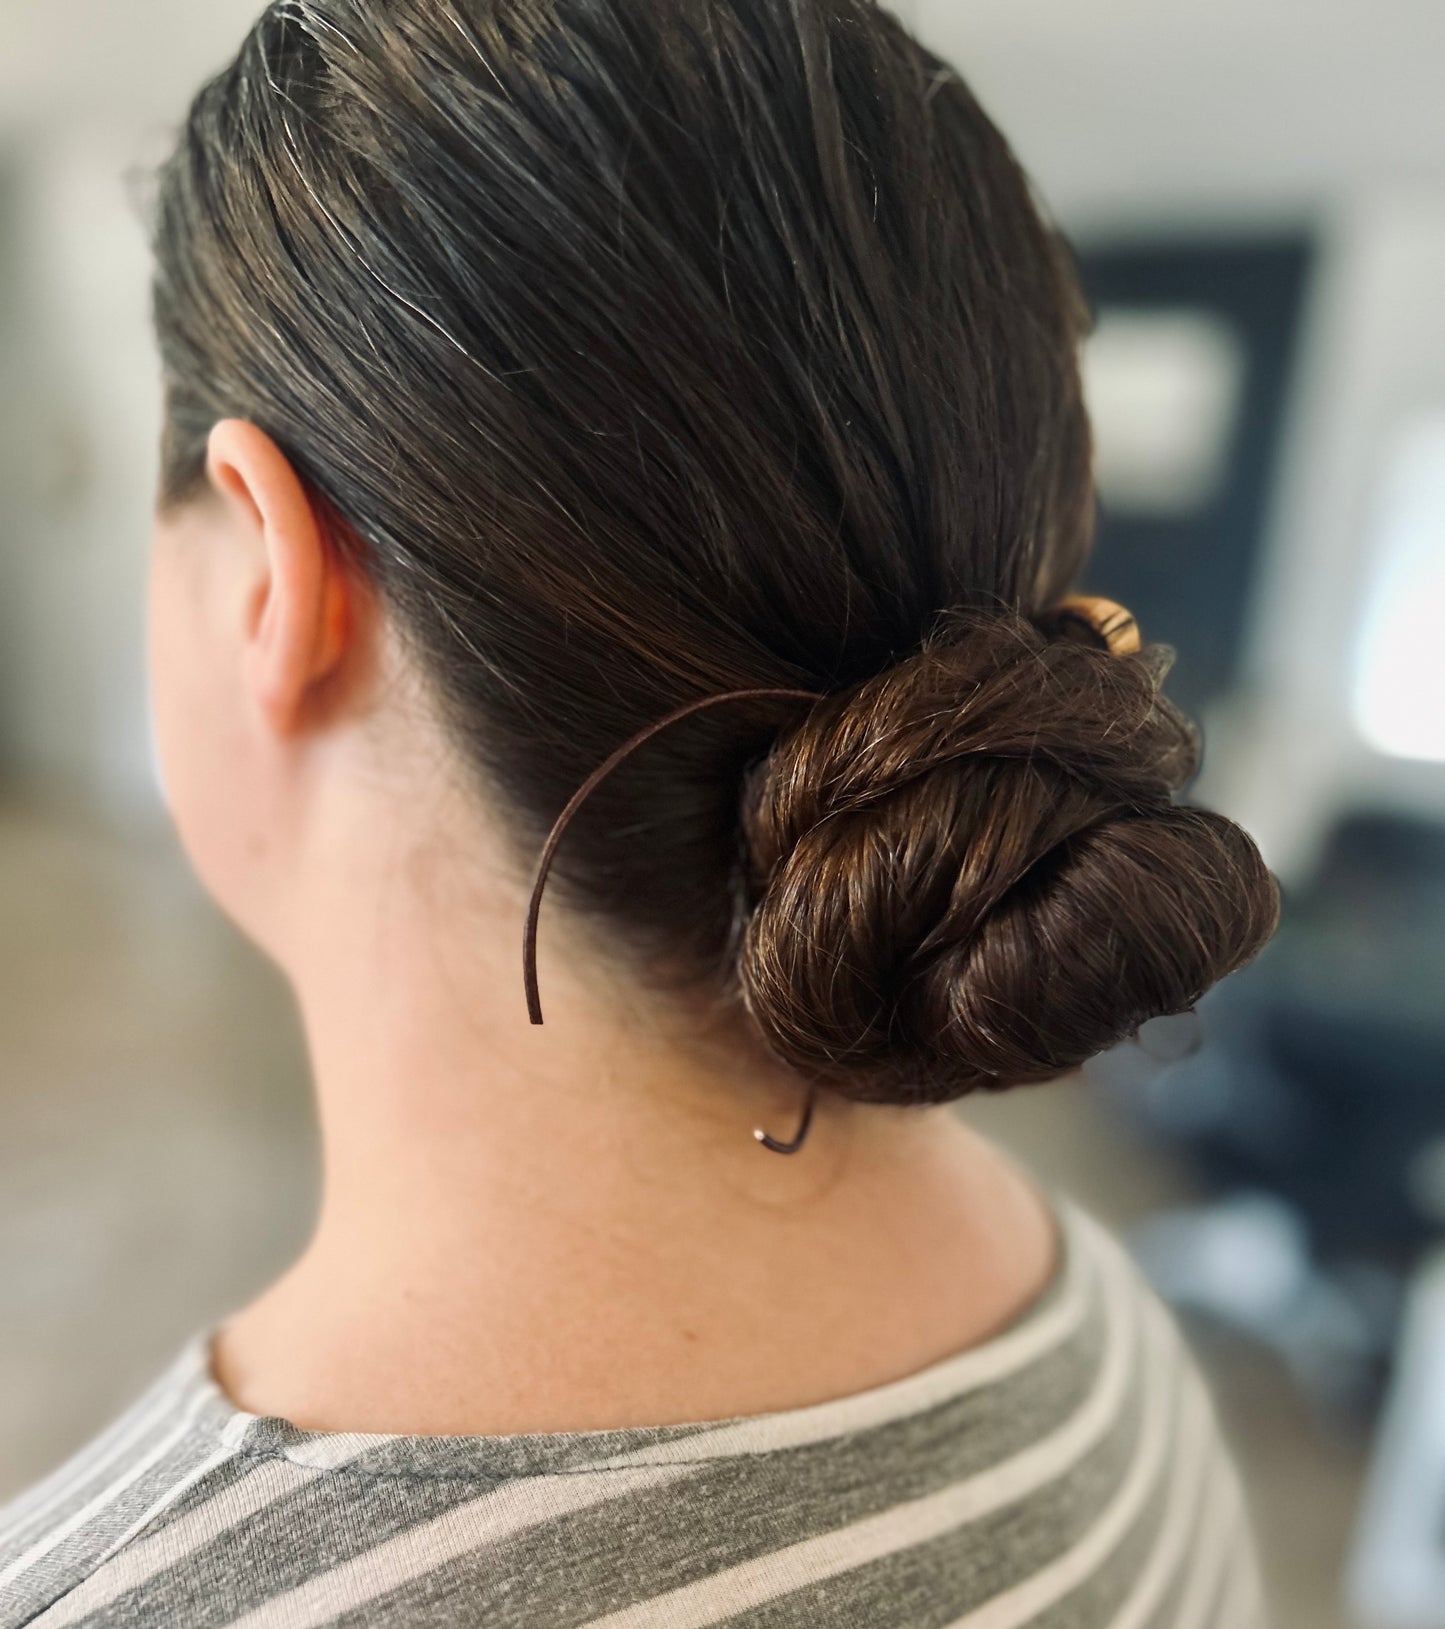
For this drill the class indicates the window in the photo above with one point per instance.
(1399, 670)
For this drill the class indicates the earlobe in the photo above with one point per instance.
(296, 619)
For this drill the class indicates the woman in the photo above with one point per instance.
(637, 446)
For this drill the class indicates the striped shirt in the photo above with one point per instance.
(1066, 1473)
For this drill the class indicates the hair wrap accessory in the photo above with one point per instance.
(554, 837)
(1107, 618)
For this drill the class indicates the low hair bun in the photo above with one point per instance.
(969, 871)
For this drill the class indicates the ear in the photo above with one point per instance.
(297, 609)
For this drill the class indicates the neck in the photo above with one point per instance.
(571, 1225)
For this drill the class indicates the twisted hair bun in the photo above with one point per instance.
(969, 872)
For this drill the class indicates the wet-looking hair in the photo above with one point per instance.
(642, 349)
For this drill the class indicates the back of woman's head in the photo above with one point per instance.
(639, 350)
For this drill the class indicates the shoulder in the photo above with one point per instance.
(164, 1447)
(1173, 1495)
(1072, 1459)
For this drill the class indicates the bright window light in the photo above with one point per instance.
(1163, 390)
(1399, 691)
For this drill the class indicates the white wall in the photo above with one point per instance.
(1135, 109)
(1287, 748)
(88, 88)
(79, 463)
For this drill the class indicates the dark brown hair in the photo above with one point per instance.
(642, 349)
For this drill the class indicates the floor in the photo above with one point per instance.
(157, 1157)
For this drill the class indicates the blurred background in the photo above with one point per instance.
(1256, 191)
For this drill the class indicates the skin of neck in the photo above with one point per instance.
(521, 1227)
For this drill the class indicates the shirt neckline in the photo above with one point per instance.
(1048, 1320)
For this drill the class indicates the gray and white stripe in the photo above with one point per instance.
(1067, 1474)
